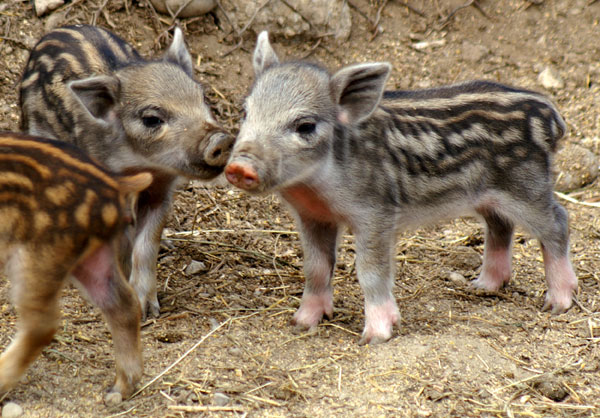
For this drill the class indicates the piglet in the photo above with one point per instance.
(62, 215)
(342, 151)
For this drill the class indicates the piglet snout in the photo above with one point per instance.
(242, 175)
(218, 149)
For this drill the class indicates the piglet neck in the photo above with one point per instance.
(309, 203)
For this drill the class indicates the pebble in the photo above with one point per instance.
(45, 6)
(220, 399)
(552, 389)
(11, 410)
(457, 278)
(195, 267)
(550, 79)
(193, 8)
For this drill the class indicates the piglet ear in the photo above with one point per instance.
(264, 55)
(98, 95)
(135, 183)
(179, 54)
(358, 89)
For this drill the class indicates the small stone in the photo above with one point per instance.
(44, 6)
(550, 79)
(195, 267)
(220, 399)
(192, 9)
(11, 410)
(457, 278)
(552, 389)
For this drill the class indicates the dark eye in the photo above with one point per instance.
(152, 121)
(306, 128)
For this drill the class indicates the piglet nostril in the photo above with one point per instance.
(218, 149)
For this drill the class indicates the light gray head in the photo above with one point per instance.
(160, 112)
(292, 113)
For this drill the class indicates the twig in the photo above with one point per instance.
(360, 12)
(445, 20)
(246, 26)
(298, 13)
(375, 28)
(220, 6)
(96, 14)
(411, 8)
(203, 408)
(577, 202)
(15, 41)
(181, 358)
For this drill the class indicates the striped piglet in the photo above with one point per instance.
(340, 150)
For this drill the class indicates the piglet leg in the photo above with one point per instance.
(37, 277)
(319, 242)
(106, 287)
(375, 268)
(496, 269)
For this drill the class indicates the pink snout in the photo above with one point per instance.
(242, 175)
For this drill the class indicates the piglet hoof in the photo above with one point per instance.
(487, 283)
(557, 302)
(380, 320)
(150, 308)
(113, 398)
(312, 308)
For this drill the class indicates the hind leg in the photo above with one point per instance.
(560, 276)
(496, 269)
(106, 286)
(547, 220)
(36, 290)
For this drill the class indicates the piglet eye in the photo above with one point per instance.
(152, 121)
(306, 128)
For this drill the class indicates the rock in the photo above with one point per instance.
(44, 6)
(195, 267)
(457, 278)
(552, 389)
(472, 52)
(550, 79)
(420, 46)
(325, 16)
(11, 410)
(194, 8)
(220, 399)
(575, 166)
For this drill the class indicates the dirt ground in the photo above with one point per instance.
(454, 352)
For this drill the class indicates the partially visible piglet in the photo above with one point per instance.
(63, 215)
(86, 86)
(340, 150)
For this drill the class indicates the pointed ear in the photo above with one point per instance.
(98, 95)
(179, 54)
(136, 182)
(264, 55)
(357, 89)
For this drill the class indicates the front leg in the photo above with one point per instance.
(152, 212)
(319, 242)
(375, 268)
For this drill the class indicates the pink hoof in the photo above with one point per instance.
(312, 308)
(380, 320)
